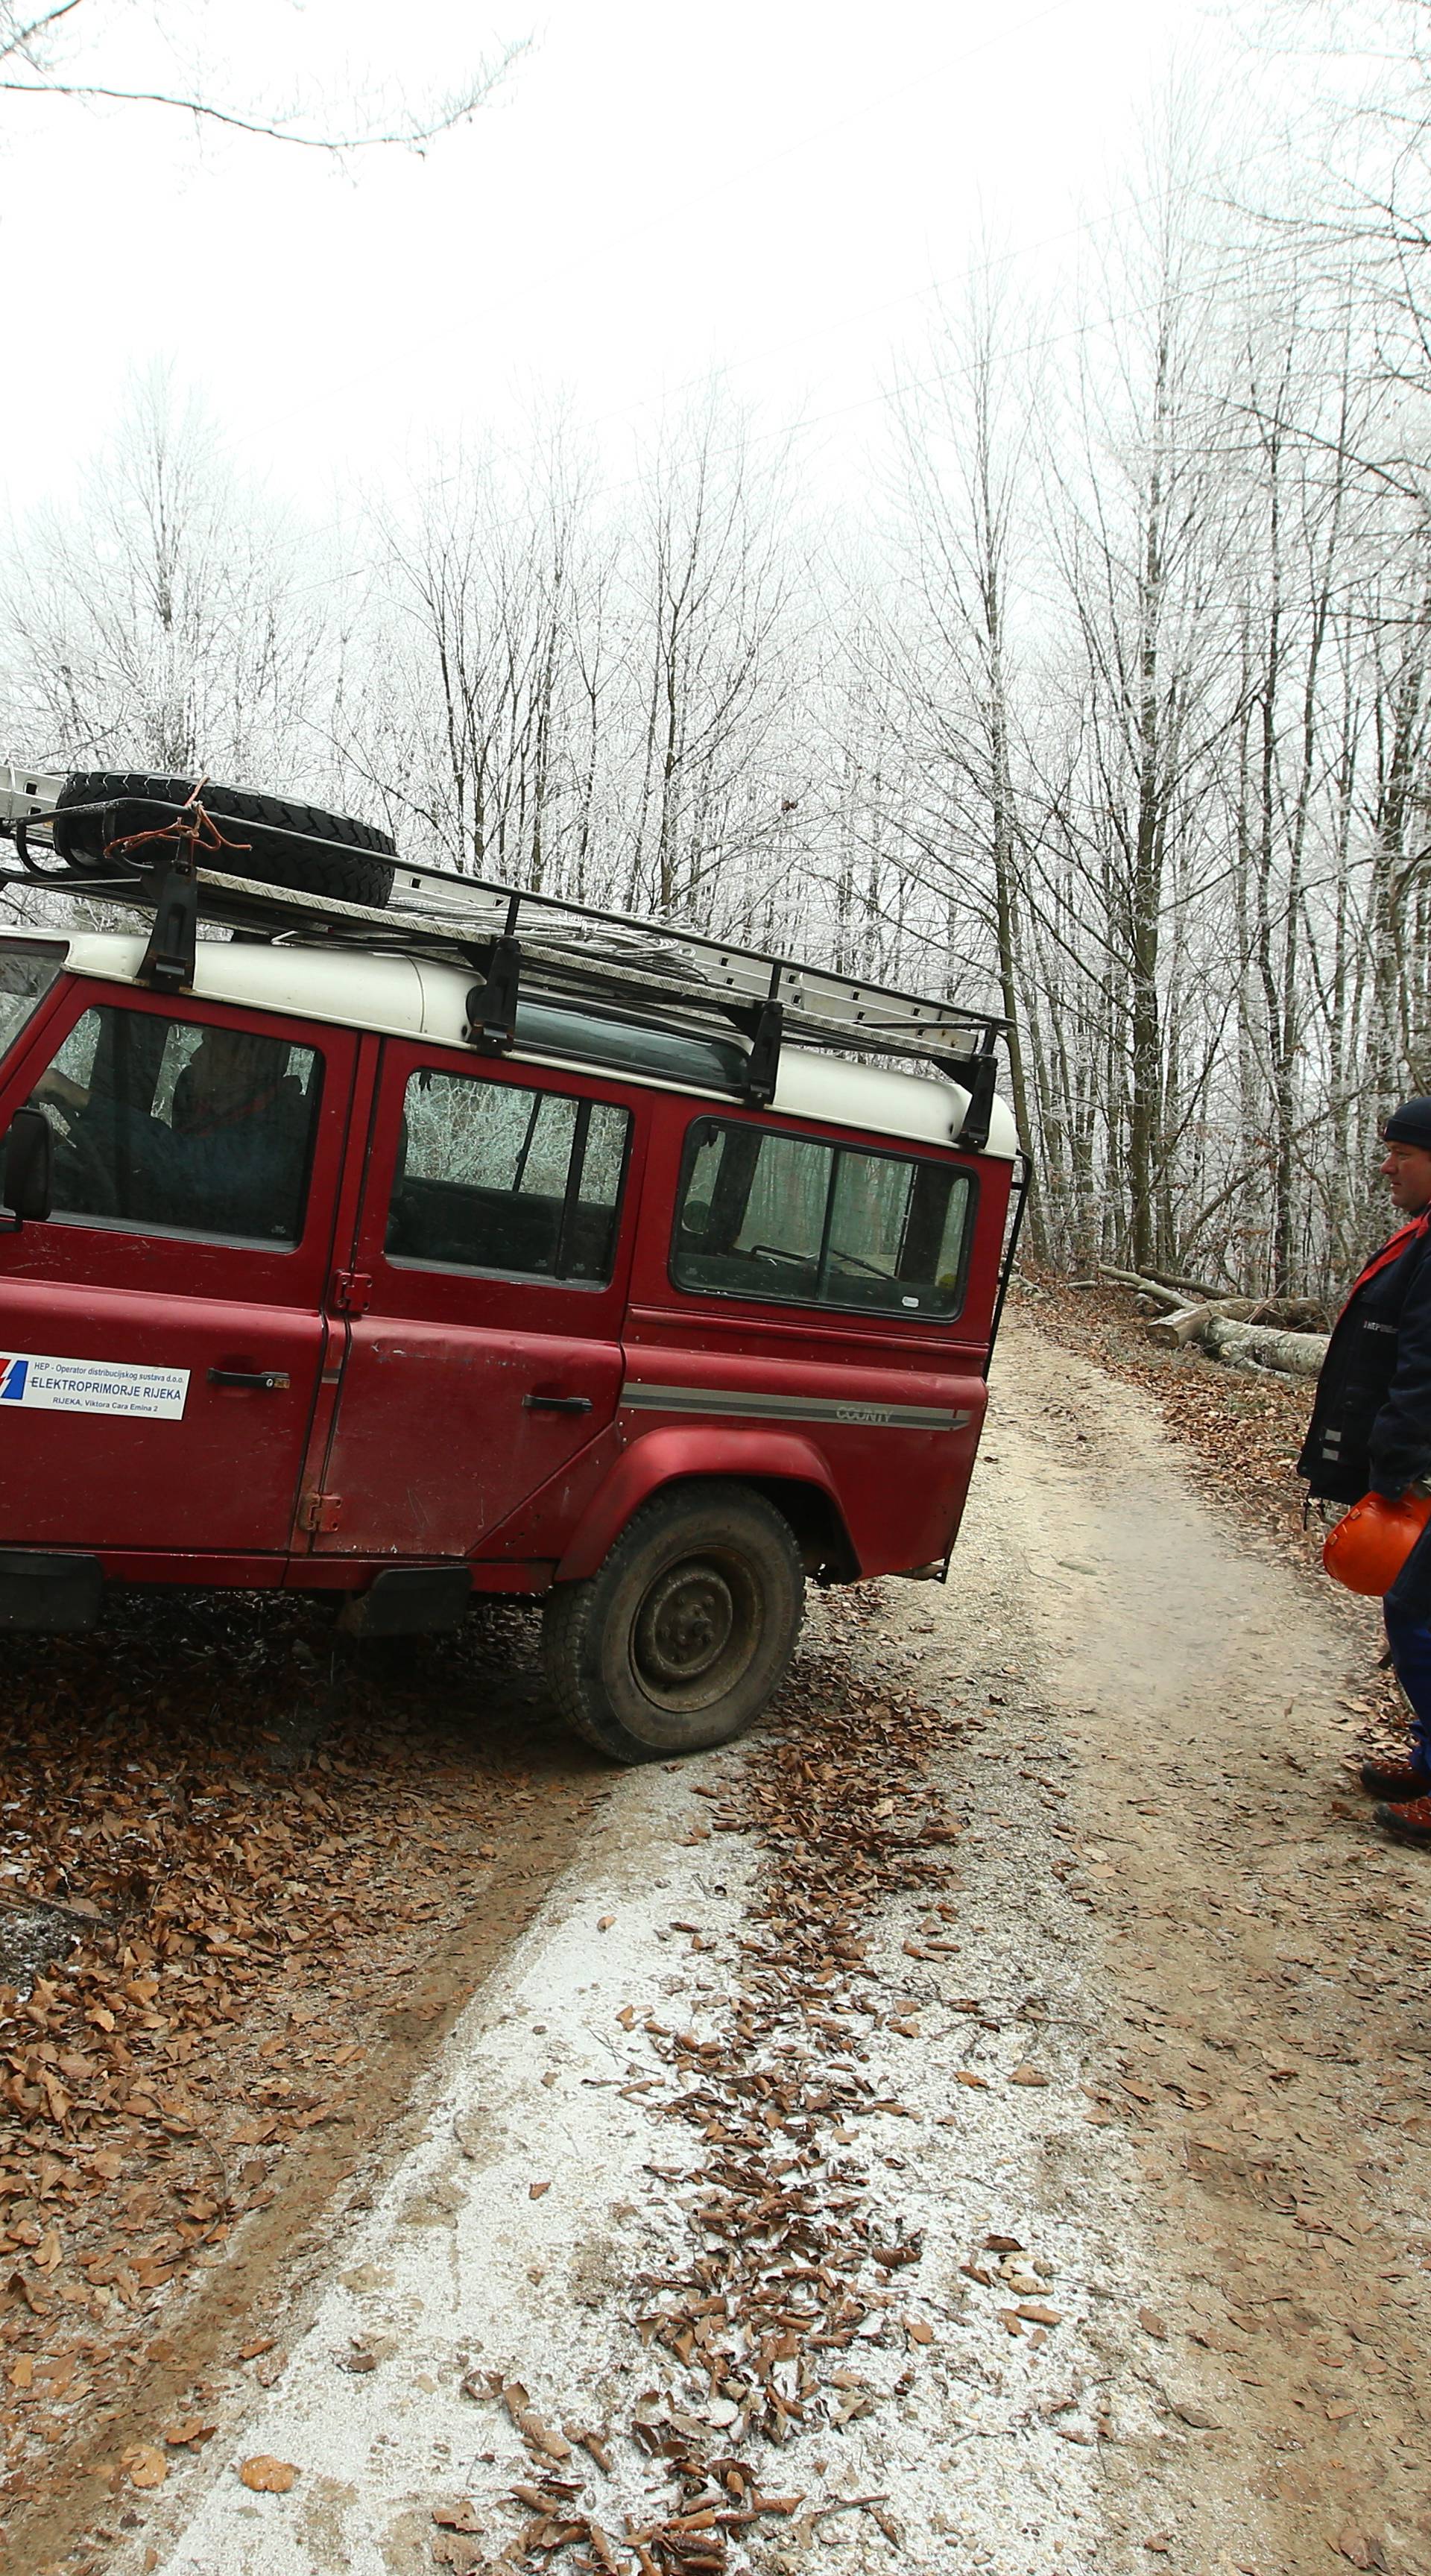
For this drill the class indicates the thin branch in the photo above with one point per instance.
(413, 136)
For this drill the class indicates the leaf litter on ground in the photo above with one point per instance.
(228, 1867)
(791, 2263)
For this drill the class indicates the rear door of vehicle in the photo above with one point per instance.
(162, 1334)
(828, 1283)
(483, 1359)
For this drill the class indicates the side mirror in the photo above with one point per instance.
(27, 1174)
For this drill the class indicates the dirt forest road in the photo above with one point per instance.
(982, 2122)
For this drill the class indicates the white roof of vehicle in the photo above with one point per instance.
(411, 997)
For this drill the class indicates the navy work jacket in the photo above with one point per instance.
(1370, 1430)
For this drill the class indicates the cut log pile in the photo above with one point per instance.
(1284, 1334)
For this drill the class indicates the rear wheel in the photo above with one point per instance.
(684, 1634)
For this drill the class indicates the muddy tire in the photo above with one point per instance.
(686, 1631)
(354, 865)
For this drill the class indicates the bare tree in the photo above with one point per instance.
(167, 622)
(966, 449)
(709, 593)
(467, 723)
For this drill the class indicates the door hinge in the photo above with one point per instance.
(352, 1290)
(320, 1512)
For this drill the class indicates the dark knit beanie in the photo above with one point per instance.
(1410, 1125)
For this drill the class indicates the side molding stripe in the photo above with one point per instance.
(641, 1397)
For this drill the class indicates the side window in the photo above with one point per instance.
(499, 1179)
(177, 1127)
(766, 1215)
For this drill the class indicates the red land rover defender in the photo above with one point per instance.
(397, 1235)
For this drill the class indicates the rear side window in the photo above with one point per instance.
(495, 1178)
(767, 1215)
(174, 1126)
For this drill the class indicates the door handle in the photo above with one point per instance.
(261, 1381)
(557, 1403)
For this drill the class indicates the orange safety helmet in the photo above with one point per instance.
(1367, 1550)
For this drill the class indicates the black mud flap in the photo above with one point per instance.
(43, 1593)
(408, 1600)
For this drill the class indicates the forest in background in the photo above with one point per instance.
(1110, 707)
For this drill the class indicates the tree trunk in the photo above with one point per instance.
(1291, 1354)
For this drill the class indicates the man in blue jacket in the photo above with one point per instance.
(1370, 1432)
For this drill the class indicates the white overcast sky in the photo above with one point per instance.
(658, 192)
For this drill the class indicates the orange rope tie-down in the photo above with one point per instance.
(192, 827)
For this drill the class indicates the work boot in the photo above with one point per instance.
(1410, 1823)
(1398, 1781)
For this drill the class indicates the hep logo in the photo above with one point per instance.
(13, 1374)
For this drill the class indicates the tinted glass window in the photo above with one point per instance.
(495, 1178)
(774, 1216)
(176, 1127)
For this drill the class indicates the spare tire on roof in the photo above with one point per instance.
(354, 863)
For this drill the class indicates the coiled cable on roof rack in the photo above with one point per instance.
(192, 825)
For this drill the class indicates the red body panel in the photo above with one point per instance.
(665, 1454)
(434, 1446)
(404, 1432)
(900, 1484)
(227, 1472)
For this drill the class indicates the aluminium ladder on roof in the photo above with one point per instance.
(519, 939)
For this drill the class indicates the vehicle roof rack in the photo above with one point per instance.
(515, 939)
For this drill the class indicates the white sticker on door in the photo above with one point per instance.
(53, 1385)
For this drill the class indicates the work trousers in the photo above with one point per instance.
(1410, 1642)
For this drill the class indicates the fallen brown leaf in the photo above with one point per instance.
(1359, 2548)
(144, 2466)
(266, 2476)
(452, 2549)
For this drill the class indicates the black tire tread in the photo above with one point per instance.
(359, 870)
(568, 1608)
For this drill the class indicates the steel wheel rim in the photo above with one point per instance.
(696, 1629)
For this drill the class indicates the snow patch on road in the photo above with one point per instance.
(459, 2267)
(509, 2244)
